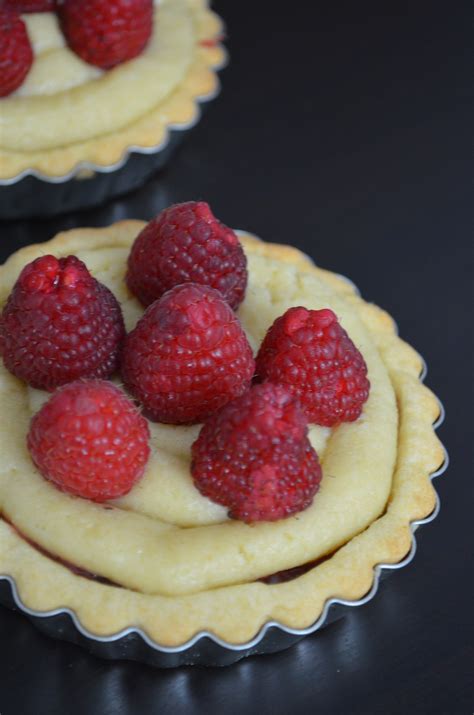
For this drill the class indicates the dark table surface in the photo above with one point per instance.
(343, 128)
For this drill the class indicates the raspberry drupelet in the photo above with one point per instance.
(185, 243)
(311, 354)
(60, 324)
(187, 356)
(255, 458)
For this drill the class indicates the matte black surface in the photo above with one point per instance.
(344, 129)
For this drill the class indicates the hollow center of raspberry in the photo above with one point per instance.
(41, 275)
(47, 273)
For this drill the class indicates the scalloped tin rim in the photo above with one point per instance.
(133, 148)
(257, 639)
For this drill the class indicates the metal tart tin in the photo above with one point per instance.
(205, 648)
(33, 194)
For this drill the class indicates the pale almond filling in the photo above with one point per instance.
(164, 537)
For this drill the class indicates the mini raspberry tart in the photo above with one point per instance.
(67, 138)
(198, 543)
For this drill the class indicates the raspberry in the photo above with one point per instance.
(188, 356)
(185, 243)
(60, 324)
(90, 440)
(16, 55)
(312, 355)
(21, 6)
(106, 33)
(254, 456)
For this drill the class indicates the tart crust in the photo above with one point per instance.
(178, 92)
(236, 612)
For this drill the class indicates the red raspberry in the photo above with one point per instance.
(106, 33)
(254, 456)
(90, 440)
(21, 6)
(188, 356)
(310, 353)
(16, 55)
(185, 243)
(60, 324)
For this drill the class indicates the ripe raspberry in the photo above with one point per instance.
(90, 440)
(185, 243)
(16, 55)
(60, 324)
(22, 6)
(312, 355)
(188, 356)
(106, 33)
(254, 456)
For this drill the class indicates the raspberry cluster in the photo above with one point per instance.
(187, 360)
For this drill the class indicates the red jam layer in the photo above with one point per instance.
(272, 579)
(77, 570)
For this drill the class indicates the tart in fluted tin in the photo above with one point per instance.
(73, 135)
(175, 580)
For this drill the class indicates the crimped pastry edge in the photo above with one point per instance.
(237, 616)
(148, 135)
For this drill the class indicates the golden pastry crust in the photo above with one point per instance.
(60, 143)
(236, 612)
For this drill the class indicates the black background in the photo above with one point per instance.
(343, 128)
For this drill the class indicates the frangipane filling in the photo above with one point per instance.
(164, 537)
